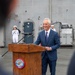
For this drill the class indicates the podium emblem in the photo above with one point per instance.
(19, 63)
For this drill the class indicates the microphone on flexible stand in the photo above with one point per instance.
(15, 43)
(26, 33)
(18, 41)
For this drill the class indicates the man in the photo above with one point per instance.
(52, 26)
(6, 8)
(50, 40)
(71, 68)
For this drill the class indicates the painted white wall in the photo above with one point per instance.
(36, 10)
(2, 37)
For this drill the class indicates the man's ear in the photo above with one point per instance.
(6, 7)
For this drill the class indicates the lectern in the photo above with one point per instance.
(26, 59)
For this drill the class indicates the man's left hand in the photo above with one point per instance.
(48, 48)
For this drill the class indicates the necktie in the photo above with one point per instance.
(46, 37)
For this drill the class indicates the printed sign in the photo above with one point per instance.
(19, 63)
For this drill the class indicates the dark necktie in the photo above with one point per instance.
(46, 37)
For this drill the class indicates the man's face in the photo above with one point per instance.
(46, 25)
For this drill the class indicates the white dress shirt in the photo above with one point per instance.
(48, 32)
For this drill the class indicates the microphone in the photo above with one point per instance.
(26, 33)
(7, 51)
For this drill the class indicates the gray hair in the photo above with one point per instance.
(52, 25)
(49, 21)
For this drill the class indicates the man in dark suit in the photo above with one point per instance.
(71, 67)
(50, 40)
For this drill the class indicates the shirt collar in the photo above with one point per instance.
(48, 31)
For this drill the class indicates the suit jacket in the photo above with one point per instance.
(53, 42)
(71, 67)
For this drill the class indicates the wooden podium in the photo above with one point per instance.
(31, 55)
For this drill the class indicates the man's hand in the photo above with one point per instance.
(48, 48)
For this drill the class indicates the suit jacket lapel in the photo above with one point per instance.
(43, 36)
